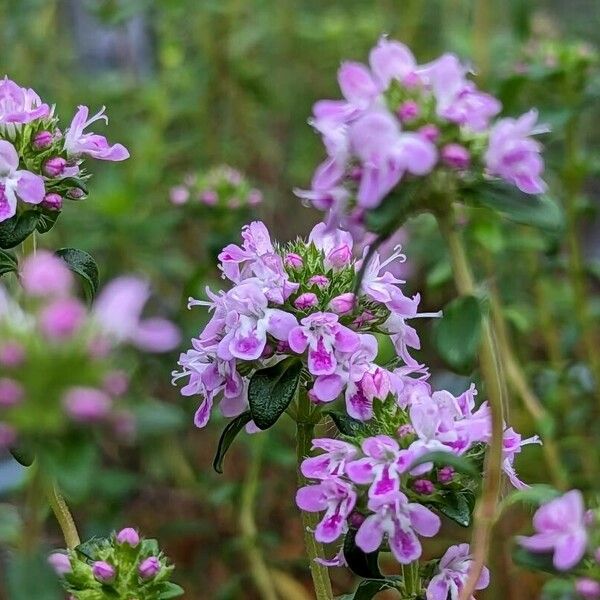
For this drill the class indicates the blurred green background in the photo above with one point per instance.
(189, 84)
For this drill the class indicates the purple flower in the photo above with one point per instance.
(86, 404)
(128, 536)
(306, 300)
(77, 142)
(62, 318)
(342, 304)
(382, 466)
(587, 588)
(398, 519)
(118, 311)
(52, 201)
(391, 60)
(456, 156)
(179, 195)
(293, 261)
(560, 528)
(11, 392)
(55, 166)
(334, 496)
(453, 572)
(12, 354)
(512, 444)
(60, 563)
(103, 572)
(332, 463)
(319, 280)
(357, 84)
(45, 274)
(514, 156)
(42, 140)
(149, 568)
(20, 105)
(16, 183)
(335, 244)
(320, 333)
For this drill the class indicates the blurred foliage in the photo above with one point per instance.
(191, 84)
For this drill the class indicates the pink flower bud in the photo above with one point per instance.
(342, 304)
(319, 280)
(179, 195)
(356, 519)
(305, 301)
(254, 197)
(445, 474)
(149, 568)
(42, 140)
(128, 536)
(86, 405)
(405, 430)
(55, 166)
(103, 571)
(8, 436)
(283, 348)
(408, 111)
(11, 392)
(61, 319)
(456, 156)
(209, 197)
(75, 193)
(116, 383)
(60, 563)
(424, 487)
(12, 354)
(339, 257)
(45, 275)
(376, 384)
(588, 588)
(52, 201)
(356, 173)
(430, 132)
(293, 261)
(411, 80)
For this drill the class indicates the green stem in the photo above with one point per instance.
(32, 511)
(491, 374)
(412, 580)
(314, 549)
(63, 516)
(260, 573)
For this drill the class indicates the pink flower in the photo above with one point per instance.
(60, 563)
(179, 194)
(11, 392)
(118, 310)
(391, 60)
(560, 528)
(335, 244)
(128, 536)
(332, 463)
(149, 568)
(86, 404)
(16, 183)
(456, 156)
(45, 274)
(77, 142)
(12, 354)
(104, 572)
(342, 304)
(306, 300)
(514, 156)
(20, 105)
(587, 588)
(62, 318)
(453, 572)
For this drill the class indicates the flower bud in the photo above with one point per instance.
(55, 166)
(75, 193)
(588, 588)
(103, 571)
(128, 536)
(293, 261)
(8, 436)
(356, 519)
(116, 383)
(307, 300)
(339, 257)
(456, 156)
(42, 140)
(86, 405)
(343, 303)
(209, 197)
(179, 195)
(60, 563)
(430, 132)
(45, 275)
(405, 430)
(52, 201)
(61, 319)
(376, 384)
(411, 80)
(408, 111)
(424, 487)
(255, 197)
(12, 354)
(149, 568)
(11, 392)
(319, 280)
(445, 475)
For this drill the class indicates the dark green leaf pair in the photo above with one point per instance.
(82, 264)
(18, 228)
(347, 425)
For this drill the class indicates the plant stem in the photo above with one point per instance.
(305, 429)
(491, 375)
(32, 511)
(63, 516)
(260, 573)
(412, 581)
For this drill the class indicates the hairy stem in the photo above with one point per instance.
(63, 516)
(260, 574)
(496, 394)
(314, 549)
(412, 581)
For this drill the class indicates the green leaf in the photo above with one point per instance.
(347, 425)
(23, 454)
(271, 391)
(8, 262)
(47, 221)
(535, 495)
(396, 207)
(447, 459)
(369, 588)
(82, 263)
(88, 550)
(18, 228)
(536, 561)
(457, 334)
(457, 506)
(363, 564)
(229, 434)
(171, 590)
(537, 211)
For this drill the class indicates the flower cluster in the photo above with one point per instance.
(400, 120)
(58, 357)
(41, 165)
(123, 565)
(221, 187)
(568, 535)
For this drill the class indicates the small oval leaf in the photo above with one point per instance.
(363, 564)
(18, 228)
(229, 434)
(347, 425)
(83, 264)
